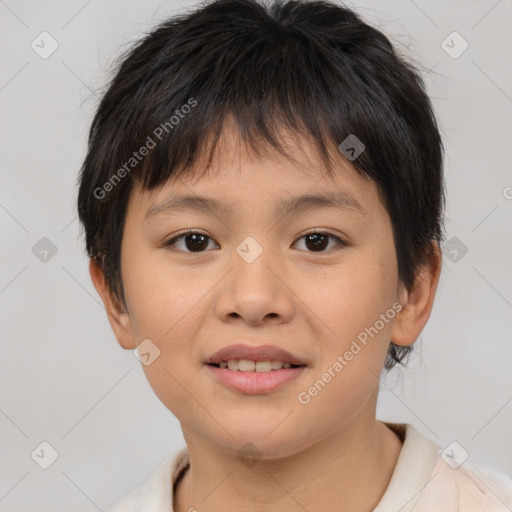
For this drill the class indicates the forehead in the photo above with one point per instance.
(239, 176)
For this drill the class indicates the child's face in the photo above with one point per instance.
(312, 303)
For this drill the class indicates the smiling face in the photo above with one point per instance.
(311, 295)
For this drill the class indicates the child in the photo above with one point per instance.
(300, 154)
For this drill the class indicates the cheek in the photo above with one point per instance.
(353, 297)
(166, 304)
(166, 308)
(353, 339)
(158, 295)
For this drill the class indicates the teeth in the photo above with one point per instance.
(263, 366)
(233, 365)
(245, 365)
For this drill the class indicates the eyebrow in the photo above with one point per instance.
(330, 199)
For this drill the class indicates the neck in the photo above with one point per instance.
(349, 470)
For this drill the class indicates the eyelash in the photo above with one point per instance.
(174, 239)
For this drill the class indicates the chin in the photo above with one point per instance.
(264, 443)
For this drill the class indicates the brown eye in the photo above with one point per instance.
(191, 241)
(318, 241)
(196, 242)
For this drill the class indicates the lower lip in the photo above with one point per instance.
(255, 383)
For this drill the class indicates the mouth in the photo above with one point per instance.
(247, 365)
(254, 377)
(254, 370)
(247, 358)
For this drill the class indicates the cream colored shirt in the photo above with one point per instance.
(421, 482)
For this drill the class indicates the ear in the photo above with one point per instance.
(117, 315)
(417, 303)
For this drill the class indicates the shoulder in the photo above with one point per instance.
(130, 503)
(468, 487)
(427, 478)
(155, 494)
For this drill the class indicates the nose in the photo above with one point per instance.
(255, 291)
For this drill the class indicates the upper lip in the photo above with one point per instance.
(253, 353)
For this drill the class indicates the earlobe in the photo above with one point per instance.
(418, 302)
(118, 317)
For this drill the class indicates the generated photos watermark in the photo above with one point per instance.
(305, 397)
(144, 150)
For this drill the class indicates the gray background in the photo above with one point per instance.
(63, 377)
